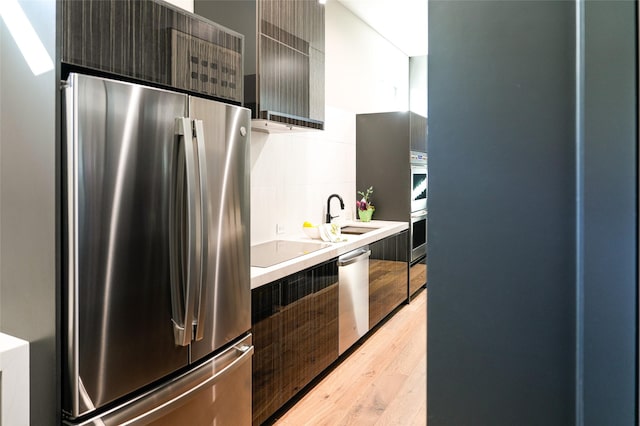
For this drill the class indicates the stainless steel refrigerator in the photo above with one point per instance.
(156, 280)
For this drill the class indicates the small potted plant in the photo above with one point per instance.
(364, 206)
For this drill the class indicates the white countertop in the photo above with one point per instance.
(382, 229)
(14, 386)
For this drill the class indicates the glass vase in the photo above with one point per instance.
(365, 215)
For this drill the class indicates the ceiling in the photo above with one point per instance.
(402, 22)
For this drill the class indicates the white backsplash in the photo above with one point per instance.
(293, 174)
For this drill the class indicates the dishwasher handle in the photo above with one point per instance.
(354, 256)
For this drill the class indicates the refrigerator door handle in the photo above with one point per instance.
(184, 238)
(200, 313)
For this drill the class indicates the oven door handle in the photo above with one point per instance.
(419, 215)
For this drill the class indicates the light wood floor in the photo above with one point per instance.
(382, 382)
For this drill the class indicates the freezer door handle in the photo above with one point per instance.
(185, 241)
(157, 403)
(201, 305)
(244, 351)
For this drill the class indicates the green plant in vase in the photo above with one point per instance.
(364, 206)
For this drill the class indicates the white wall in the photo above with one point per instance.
(364, 72)
(293, 174)
(185, 4)
(418, 92)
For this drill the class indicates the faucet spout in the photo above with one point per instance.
(329, 217)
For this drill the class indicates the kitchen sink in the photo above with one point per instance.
(356, 230)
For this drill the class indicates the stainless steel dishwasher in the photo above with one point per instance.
(353, 299)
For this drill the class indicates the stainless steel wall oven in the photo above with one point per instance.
(419, 179)
(419, 183)
(418, 235)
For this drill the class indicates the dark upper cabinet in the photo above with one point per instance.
(418, 132)
(154, 42)
(384, 141)
(284, 60)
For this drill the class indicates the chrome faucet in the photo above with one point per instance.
(329, 217)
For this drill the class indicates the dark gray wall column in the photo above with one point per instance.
(502, 213)
(504, 163)
(610, 176)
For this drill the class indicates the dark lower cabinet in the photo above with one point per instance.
(295, 321)
(295, 335)
(417, 276)
(388, 276)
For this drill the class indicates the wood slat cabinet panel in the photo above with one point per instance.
(295, 23)
(388, 276)
(295, 335)
(284, 78)
(152, 42)
(291, 60)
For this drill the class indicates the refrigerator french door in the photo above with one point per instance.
(156, 244)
